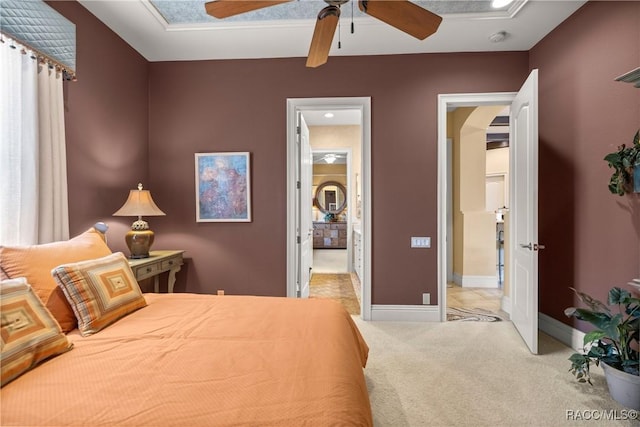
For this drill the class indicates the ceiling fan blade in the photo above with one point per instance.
(227, 8)
(323, 36)
(403, 15)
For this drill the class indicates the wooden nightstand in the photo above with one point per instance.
(157, 263)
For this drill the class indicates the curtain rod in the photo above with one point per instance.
(42, 58)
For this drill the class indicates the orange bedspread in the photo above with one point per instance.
(203, 360)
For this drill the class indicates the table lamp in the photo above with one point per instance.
(140, 238)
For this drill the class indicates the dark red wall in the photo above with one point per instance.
(106, 123)
(240, 105)
(129, 121)
(592, 237)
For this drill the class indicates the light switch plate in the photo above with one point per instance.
(420, 242)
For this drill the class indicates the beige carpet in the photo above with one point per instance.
(474, 374)
(337, 287)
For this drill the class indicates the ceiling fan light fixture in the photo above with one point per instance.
(403, 15)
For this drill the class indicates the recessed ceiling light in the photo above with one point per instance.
(497, 4)
(328, 115)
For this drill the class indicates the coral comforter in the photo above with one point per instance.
(203, 360)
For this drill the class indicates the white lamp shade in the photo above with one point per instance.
(139, 203)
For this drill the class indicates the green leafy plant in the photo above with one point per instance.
(623, 162)
(615, 339)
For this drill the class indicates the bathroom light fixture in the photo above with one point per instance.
(497, 4)
(328, 115)
(330, 158)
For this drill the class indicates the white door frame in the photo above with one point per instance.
(445, 102)
(308, 104)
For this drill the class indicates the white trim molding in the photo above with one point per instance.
(505, 304)
(476, 281)
(567, 335)
(405, 313)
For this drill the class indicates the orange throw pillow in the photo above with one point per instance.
(36, 262)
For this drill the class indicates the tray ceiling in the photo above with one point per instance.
(180, 30)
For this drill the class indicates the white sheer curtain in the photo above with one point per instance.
(33, 182)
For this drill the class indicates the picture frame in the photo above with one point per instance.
(223, 187)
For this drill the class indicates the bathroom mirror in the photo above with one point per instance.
(331, 197)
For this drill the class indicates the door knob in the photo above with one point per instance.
(526, 246)
(538, 247)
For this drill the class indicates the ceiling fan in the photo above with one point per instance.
(401, 14)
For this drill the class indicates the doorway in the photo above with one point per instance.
(522, 265)
(335, 148)
(334, 144)
(479, 166)
(360, 199)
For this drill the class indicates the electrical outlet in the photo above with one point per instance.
(220, 291)
(426, 299)
(420, 242)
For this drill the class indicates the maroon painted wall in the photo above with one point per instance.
(123, 109)
(106, 123)
(592, 237)
(240, 105)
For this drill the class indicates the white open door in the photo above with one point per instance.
(524, 213)
(304, 220)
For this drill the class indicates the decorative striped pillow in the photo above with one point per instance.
(29, 332)
(35, 263)
(99, 291)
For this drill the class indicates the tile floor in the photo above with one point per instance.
(333, 261)
(330, 261)
(486, 298)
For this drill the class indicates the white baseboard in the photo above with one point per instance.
(567, 335)
(505, 304)
(479, 282)
(405, 313)
(475, 281)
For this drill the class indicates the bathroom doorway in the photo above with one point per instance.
(357, 217)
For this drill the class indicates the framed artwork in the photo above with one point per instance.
(223, 187)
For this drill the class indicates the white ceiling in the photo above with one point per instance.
(340, 117)
(140, 24)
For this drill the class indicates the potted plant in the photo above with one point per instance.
(623, 162)
(614, 342)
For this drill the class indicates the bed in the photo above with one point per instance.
(197, 360)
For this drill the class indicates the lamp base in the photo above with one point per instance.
(139, 242)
